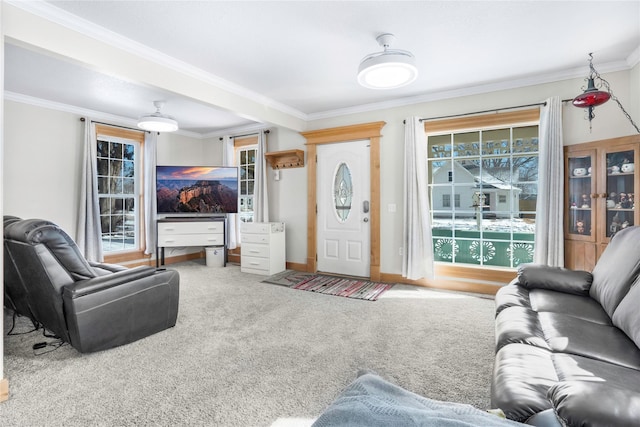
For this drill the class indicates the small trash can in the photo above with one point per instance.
(215, 256)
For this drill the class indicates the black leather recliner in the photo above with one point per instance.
(92, 306)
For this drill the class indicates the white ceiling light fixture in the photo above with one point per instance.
(158, 122)
(389, 69)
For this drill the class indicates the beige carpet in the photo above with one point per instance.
(246, 353)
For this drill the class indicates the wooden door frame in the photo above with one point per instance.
(370, 131)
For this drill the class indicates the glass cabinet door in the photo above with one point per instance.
(620, 191)
(581, 196)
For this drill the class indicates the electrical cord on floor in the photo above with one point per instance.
(50, 346)
(13, 325)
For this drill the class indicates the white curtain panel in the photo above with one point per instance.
(260, 193)
(228, 159)
(549, 243)
(417, 254)
(88, 232)
(149, 190)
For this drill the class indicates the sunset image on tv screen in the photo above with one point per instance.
(197, 189)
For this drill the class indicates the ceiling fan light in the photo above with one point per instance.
(155, 123)
(158, 122)
(387, 71)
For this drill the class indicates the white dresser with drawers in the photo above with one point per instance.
(263, 247)
(181, 232)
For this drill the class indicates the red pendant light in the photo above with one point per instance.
(591, 97)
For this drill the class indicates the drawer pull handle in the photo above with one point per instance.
(253, 251)
(255, 263)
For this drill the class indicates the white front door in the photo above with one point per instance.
(343, 194)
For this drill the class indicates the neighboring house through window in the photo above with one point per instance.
(119, 170)
(489, 166)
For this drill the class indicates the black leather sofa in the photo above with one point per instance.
(567, 342)
(92, 306)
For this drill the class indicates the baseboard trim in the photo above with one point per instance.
(443, 283)
(4, 390)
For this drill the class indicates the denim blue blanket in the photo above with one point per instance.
(370, 401)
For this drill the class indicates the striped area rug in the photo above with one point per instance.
(343, 287)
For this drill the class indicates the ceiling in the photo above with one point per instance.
(302, 57)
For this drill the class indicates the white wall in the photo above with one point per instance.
(43, 149)
(43, 157)
(289, 193)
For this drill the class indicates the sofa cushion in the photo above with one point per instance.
(592, 404)
(519, 325)
(522, 374)
(510, 295)
(627, 315)
(538, 276)
(570, 367)
(567, 334)
(616, 269)
(583, 307)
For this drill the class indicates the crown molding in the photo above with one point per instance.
(634, 58)
(84, 112)
(73, 22)
(471, 90)
(240, 130)
(89, 29)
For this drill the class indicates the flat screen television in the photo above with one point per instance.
(197, 190)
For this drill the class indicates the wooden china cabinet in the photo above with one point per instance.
(601, 181)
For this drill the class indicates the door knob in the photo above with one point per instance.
(365, 206)
(366, 219)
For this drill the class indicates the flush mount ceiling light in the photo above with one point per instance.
(593, 96)
(158, 122)
(389, 69)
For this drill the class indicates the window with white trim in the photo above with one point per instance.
(119, 174)
(491, 172)
(245, 155)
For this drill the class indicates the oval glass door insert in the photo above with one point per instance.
(342, 192)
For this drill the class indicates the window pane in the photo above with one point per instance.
(465, 144)
(128, 186)
(105, 224)
(342, 192)
(128, 152)
(103, 167)
(128, 169)
(115, 150)
(105, 205)
(496, 141)
(129, 205)
(103, 149)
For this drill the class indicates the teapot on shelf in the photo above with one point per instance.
(580, 172)
(627, 167)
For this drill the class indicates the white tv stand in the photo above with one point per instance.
(174, 232)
